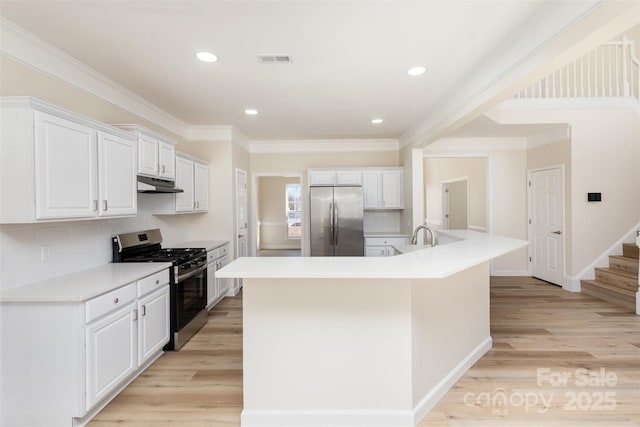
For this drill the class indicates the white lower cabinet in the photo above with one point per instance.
(383, 246)
(63, 360)
(216, 287)
(111, 352)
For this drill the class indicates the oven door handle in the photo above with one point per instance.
(190, 274)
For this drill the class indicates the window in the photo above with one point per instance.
(294, 211)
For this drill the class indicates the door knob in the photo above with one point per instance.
(556, 232)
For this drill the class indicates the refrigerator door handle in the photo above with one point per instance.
(331, 224)
(336, 226)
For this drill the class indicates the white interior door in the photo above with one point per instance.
(546, 224)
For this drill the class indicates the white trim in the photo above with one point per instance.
(430, 400)
(24, 47)
(322, 146)
(525, 104)
(325, 418)
(462, 146)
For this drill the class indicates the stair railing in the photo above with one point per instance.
(612, 70)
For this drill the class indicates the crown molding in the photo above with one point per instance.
(323, 146)
(24, 47)
(474, 145)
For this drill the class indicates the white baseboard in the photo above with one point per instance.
(519, 273)
(427, 403)
(572, 284)
(329, 418)
(364, 417)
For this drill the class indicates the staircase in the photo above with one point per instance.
(617, 284)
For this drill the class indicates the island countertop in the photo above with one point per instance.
(440, 261)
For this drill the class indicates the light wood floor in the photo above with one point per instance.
(534, 326)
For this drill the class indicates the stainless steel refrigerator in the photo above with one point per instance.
(336, 221)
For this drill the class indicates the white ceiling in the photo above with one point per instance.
(349, 57)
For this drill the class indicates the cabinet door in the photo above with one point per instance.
(111, 353)
(375, 251)
(167, 162)
(212, 289)
(65, 168)
(201, 184)
(153, 323)
(147, 155)
(184, 180)
(322, 177)
(349, 177)
(392, 189)
(223, 284)
(117, 176)
(372, 189)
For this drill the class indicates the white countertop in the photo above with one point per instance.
(209, 245)
(441, 261)
(83, 285)
(385, 234)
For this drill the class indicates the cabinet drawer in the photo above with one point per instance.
(211, 256)
(153, 282)
(383, 241)
(223, 251)
(115, 299)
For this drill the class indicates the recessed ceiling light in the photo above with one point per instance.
(376, 121)
(251, 112)
(206, 56)
(416, 71)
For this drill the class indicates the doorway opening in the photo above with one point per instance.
(278, 214)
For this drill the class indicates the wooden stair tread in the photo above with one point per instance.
(619, 272)
(608, 287)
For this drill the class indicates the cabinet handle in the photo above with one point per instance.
(95, 205)
(104, 205)
(135, 314)
(158, 282)
(162, 168)
(198, 205)
(144, 310)
(116, 300)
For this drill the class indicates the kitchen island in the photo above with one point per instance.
(358, 341)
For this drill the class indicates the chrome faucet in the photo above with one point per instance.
(434, 235)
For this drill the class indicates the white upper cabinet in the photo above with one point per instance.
(118, 193)
(65, 168)
(57, 165)
(167, 160)
(147, 155)
(383, 188)
(156, 153)
(185, 202)
(327, 177)
(201, 187)
(393, 189)
(322, 177)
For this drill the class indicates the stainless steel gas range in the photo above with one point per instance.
(188, 286)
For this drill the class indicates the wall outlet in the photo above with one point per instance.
(45, 252)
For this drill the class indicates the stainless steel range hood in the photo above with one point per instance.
(147, 184)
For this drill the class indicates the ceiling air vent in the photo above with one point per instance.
(273, 59)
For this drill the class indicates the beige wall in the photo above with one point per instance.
(17, 79)
(272, 213)
(439, 170)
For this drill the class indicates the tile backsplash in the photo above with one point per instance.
(33, 252)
